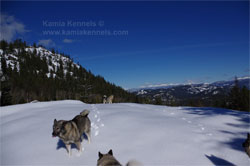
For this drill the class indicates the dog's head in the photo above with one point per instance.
(110, 153)
(57, 128)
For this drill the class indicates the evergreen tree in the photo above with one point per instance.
(11, 47)
(244, 99)
(5, 93)
(158, 101)
(234, 96)
(3, 45)
(53, 51)
(3, 66)
(239, 97)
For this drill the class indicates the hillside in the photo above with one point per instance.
(34, 73)
(207, 94)
(153, 135)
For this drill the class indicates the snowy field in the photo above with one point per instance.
(153, 135)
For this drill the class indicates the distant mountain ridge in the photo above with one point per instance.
(183, 94)
(244, 81)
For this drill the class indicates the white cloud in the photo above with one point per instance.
(68, 41)
(46, 43)
(10, 27)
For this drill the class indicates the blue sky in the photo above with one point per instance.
(162, 42)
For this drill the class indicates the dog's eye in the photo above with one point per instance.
(57, 128)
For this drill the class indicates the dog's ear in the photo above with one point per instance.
(55, 120)
(110, 152)
(248, 135)
(100, 155)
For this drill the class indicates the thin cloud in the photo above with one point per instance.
(10, 27)
(46, 43)
(68, 41)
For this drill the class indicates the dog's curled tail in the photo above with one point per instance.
(84, 112)
(134, 163)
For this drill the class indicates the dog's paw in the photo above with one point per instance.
(78, 154)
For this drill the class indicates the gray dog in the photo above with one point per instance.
(71, 131)
(107, 159)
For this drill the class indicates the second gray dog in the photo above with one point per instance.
(107, 159)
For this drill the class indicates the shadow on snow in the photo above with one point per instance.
(219, 161)
(60, 143)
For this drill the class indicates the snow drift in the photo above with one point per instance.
(153, 135)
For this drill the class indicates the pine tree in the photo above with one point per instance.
(239, 97)
(53, 51)
(244, 99)
(3, 45)
(5, 93)
(158, 101)
(11, 47)
(234, 96)
(3, 66)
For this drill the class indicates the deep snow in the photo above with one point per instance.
(153, 135)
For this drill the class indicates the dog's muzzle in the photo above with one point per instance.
(54, 134)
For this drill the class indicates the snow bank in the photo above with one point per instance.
(153, 135)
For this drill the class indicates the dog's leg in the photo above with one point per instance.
(82, 138)
(89, 138)
(79, 146)
(68, 147)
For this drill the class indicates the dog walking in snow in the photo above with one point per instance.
(104, 99)
(110, 99)
(71, 131)
(109, 160)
